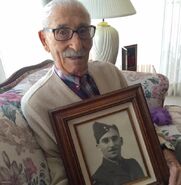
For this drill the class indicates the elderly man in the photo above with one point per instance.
(114, 168)
(67, 35)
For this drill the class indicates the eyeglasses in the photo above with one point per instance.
(64, 33)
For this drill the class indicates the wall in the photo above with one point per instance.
(144, 28)
(20, 45)
(19, 42)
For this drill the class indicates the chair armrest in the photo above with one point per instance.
(19, 75)
(155, 86)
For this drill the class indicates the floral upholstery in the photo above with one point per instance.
(21, 159)
(173, 132)
(155, 86)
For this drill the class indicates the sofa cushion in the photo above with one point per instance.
(172, 132)
(21, 159)
(173, 136)
(175, 112)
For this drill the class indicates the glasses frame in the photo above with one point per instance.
(53, 30)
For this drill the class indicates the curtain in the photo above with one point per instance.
(44, 2)
(170, 62)
(2, 73)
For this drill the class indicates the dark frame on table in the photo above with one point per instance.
(129, 57)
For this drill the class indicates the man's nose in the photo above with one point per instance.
(76, 42)
(111, 142)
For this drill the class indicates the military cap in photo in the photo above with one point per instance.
(100, 129)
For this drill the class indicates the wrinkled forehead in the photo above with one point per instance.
(68, 15)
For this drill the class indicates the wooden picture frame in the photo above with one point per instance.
(129, 57)
(125, 108)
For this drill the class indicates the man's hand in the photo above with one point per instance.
(174, 167)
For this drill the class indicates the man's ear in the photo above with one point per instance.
(121, 140)
(42, 38)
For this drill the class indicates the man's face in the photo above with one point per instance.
(110, 144)
(71, 17)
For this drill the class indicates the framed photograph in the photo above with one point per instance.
(129, 57)
(124, 59)
(110, 138)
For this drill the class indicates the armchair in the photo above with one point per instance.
(21, 158)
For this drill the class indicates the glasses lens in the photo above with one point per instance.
(86, 32)
(63, 34)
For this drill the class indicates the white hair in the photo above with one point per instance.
(48, 8)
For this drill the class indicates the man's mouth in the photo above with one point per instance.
(75, 57)
(113, 150)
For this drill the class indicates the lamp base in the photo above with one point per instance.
(105, 43)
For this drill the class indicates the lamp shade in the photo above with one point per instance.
(99, 9)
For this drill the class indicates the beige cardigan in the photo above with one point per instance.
(51, 92)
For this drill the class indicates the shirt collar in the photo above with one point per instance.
(72, 78)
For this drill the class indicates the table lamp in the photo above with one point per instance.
(106, 39)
